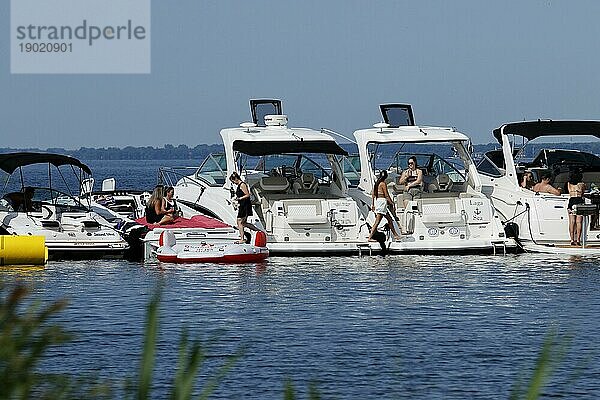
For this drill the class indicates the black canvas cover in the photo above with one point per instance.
(9, 162)
(535, 129)
(262, 148)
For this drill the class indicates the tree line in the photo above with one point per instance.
(183, 152)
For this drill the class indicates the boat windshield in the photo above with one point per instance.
(432, 165)
(351, 168)
(492, 164)
(294, 165)
(213, 169)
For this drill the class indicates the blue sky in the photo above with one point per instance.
(468, 64)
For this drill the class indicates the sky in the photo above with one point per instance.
(468, 64)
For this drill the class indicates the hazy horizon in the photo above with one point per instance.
(468, 64)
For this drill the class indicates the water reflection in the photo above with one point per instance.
(372, 327)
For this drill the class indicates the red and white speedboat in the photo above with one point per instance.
(190, 231)
(203, 252)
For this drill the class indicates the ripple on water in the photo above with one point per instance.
(378, 327)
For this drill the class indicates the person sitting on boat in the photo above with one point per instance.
(156, 213)
(21, 201)
(170, 205)
(576, 188)
(544, 185)
(527, 182)
(412, 179)
(242, 195)
(381, 200)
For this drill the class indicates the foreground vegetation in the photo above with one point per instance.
(27, 332)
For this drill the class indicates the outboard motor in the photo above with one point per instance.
(511, 230)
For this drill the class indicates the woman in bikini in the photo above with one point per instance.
(155, 208)
(576, 188)
(527, 182)
(412, 179)
(381, 199)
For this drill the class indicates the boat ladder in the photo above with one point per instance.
(499, 246)
(364, 247)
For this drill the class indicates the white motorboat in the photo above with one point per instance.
(299, 194)
(452, 213)
(38, 199)
(129, 204)
(540, 221)
(126, 209)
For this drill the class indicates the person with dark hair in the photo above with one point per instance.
(21, 201)
(527, 182)
(544, 185)
(412, 179)
(381, 200)
(576, 187)
(170, 205)
(155, 208)
(242, 195)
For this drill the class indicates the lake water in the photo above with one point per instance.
(419, 327)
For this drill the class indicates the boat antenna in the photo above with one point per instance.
(329, 131)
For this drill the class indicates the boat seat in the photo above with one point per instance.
(304, 211)
(274, 184)
(306, 183)
(441, 183)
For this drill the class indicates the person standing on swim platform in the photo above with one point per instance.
(242, 194)
(381, 199)
(576, 188)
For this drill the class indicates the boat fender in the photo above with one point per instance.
(167, 238)
(260, 240)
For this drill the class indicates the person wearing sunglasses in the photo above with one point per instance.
(412, 179)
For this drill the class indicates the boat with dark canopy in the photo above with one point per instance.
(40, 197)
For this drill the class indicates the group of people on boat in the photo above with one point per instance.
(383, 206)
(574, 186)
(162, 208)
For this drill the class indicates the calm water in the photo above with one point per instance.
(425, 327)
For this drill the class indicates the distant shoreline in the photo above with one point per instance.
(199, 152)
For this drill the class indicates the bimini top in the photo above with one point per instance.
(407, 134)
(535, 129)
(260, 141)
(11, 161)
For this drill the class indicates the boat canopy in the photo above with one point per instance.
(11, 161)
(534, 129)
(262, 148)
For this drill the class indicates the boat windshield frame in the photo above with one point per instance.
(214, 176)
(295, 168)
(431, 166)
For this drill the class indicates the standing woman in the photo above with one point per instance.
(576, 188)
(155, 208)
(381, 199)
(242, 194)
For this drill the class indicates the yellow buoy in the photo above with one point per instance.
(23, 250)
